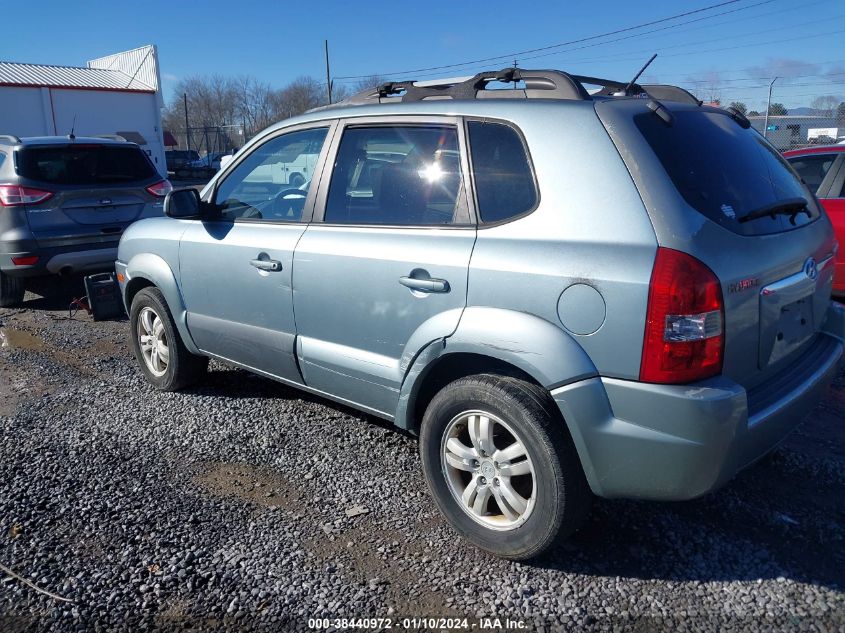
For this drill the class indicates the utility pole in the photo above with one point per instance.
(187, 127)
(768, 107)
(328, 75)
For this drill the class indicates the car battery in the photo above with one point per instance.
(103, 296)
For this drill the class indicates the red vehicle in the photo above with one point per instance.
(823, 169)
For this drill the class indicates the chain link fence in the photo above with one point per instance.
(794, 131)
(210, 140)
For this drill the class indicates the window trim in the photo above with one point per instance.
(481, 223)
(836, 173)
(330, 125)
(394, 121)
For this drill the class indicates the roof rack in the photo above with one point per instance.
(539, 84)
(9, 139)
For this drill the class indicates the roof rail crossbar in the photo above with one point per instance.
(9, 138)
(538, 84)
(551, 84)
(610, 87)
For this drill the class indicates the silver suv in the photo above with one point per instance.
(65, 201)
(564, 293)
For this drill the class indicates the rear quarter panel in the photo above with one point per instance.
(590, 228)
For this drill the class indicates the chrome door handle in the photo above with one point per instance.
(266, 264)
(425, 285)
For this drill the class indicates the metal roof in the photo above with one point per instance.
(59, 140)
(17, 74)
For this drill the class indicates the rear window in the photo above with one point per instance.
(84, 164)
(725, 171)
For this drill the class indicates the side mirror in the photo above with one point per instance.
(183, 203)
(225, 160)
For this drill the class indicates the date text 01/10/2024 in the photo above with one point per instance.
(417, 623)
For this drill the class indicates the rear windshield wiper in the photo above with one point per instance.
(791, 207)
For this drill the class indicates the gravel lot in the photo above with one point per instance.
(226, 507)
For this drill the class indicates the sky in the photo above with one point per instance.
(730, 51)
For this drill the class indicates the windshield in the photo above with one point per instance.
(84, 164)
(725, 171)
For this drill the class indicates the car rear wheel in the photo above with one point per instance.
(501, 465)
(11, 290)
(163, 357)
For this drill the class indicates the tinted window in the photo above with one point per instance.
(812, 168)
(397, 175)
(2, 158)
(725, 171)
(272, 182)
(504, 185)
(84, 164)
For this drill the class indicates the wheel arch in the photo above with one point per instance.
(148, 270)
(492, 340)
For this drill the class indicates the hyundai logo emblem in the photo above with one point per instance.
(810, 268)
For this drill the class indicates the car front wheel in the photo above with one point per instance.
(501, 465)
(160, 352)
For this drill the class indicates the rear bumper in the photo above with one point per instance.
(675, 442)
(97, 257)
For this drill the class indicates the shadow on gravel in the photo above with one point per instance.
(229, 382)
(782, 518)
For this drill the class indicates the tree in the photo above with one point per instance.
(340, 92)
(840, 113)
(739, 106)
(824, 105)
(373, 81)
(302, 94)
(753, 113)
(777, 109)
(255, 104)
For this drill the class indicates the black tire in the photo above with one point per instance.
(11, 290)
(561, 495)
(182, 368)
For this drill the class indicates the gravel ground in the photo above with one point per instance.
(226, 507)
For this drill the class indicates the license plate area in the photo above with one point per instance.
(794, 328)
(786, 317)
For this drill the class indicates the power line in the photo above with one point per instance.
(707, 41)
(545, 48)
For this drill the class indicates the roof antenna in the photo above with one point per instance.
(637, 76)
(72, 127)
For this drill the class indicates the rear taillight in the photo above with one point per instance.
(14, 195)
(684, 332)
(160, 189)
(26, 260)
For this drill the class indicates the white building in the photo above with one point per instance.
(117, 94)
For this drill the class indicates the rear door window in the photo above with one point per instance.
(725, 171)
(812, 168)
(504, 184)
(84, 164)
(397, 175)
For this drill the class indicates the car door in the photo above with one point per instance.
(831, 193)
(235, 264)
(382, 270)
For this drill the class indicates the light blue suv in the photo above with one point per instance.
(564, 293)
